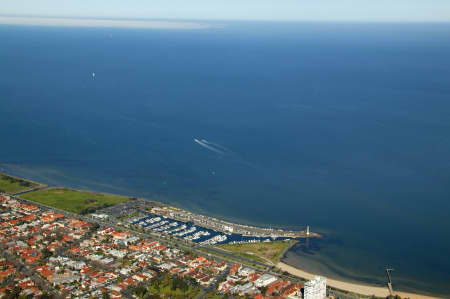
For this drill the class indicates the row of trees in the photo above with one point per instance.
(90, 210)
(168, 285)
(15, 294)
(14, 180)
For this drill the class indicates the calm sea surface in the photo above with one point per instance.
(345, 128)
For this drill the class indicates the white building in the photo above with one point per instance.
(100, 216)
(228, 228)
(246, 271)
(117, 253)
(265, 280)
(316, 288)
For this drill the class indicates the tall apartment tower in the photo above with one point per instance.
(307, 230)
(316, 288)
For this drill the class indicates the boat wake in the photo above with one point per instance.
(218, 149)
(218, 146)
(223, 151)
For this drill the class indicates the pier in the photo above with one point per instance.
(229, 227)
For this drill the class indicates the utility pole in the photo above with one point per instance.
(388, 272)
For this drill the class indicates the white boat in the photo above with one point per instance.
(157, 224)
(177, 229)
(162, 228)
(197, 235)
(214, 240)
(153, 220)
(186, 232)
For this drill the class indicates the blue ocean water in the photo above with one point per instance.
(343, 127)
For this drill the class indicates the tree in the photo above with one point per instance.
(178, 283)
(263, 290)
(46, 253)
(46, 295)
(14, 293)
(191, 280)
(140, 291)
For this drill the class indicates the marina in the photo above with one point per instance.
(200, 229)
(191, 232)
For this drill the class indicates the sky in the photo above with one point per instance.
(268, 10)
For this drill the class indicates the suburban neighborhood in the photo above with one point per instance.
(49, 253)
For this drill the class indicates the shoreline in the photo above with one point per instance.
(363, 289)
(220, 224)
(173, 204)
(39, 185)
(23, 179)
(353, 287)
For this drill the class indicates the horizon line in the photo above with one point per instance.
(189, 23)
(102, 23)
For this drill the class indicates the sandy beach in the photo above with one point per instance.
(352, 287)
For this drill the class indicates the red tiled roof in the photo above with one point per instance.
(45, 271)
(66, 238)
(28, 218)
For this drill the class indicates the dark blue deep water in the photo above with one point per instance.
(342, 127)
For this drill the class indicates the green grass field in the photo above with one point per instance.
(168, 286)
(251, 256)
(260, 252)
(236, 259)
(12, 185)
(80, 202)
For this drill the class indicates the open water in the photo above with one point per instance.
(343, 127)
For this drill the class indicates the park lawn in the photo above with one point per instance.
(251, 256)
(272, 251)
(80, 202)
(12, 185)
(168, 292)
(236, 259)
(169, 286)
(211, 295)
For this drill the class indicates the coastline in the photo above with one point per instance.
(349, 286)
(23, 179)
(354, 287)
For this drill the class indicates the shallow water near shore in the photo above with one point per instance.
(341, 127)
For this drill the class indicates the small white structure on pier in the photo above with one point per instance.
(228, 228)
(307, 230)
(316, 288)
(100, 216)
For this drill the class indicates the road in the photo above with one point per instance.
(29, 191)
(23, 268)
(217, 254)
